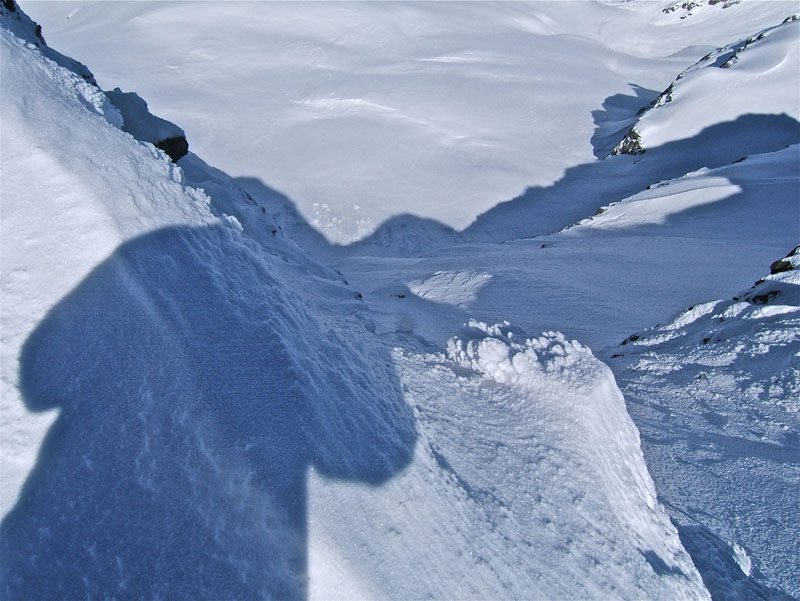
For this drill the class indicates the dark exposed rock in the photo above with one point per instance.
(784, 264)
(763, 299)
(631, 338)
(630, 144)
(175, 147)
(689, 5)
(780, 266)
(662, 99)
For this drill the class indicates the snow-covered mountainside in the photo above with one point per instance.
(710, 91)
(203, 397)
(360, 112)
(716, 394)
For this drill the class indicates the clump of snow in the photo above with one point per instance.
(742, 559)
(498, 354)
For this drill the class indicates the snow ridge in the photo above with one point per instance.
(709, 96)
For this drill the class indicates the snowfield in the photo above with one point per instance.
(428, 366)
(361, 112)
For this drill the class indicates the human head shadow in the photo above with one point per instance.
(195, 390)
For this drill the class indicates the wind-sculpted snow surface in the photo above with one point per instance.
(528, 482)
(195, 390)
(196, 374)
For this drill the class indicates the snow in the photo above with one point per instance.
(138, 121)
(186, 412)
(207, 394)
(708, 92)
(721, 398)
(507, 496)
(440, 111)
(458, 288)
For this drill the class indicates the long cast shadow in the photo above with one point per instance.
(582, 190)
(195, 390)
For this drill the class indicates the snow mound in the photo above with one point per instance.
(716, 393)
(528, 482)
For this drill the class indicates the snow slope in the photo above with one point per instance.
(360, 112)
(690, 220)
(229, 424)
(709, 92)
(716, 393)
(193, 383)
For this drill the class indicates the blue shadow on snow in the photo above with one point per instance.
(192, 403)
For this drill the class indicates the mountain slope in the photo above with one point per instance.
(715, 393)
(361, 113)
(230, 425)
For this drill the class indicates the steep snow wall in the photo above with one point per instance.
(528, 482)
